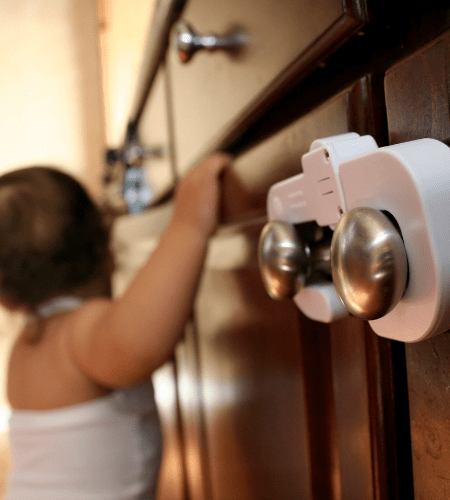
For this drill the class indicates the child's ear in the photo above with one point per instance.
(12, 306)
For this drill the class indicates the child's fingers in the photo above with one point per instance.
(206, 172)
(217, 162)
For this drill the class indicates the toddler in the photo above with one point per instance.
(84, 423)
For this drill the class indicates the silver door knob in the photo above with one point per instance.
(188, 42)
(369, 263)
(287, 262)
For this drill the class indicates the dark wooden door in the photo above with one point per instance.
(265, 402)
(418, 106)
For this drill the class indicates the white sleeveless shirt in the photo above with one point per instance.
(108, 448)
(105, 449)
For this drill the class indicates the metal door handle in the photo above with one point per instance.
(188, 42)
(287, 261)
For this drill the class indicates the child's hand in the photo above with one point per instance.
(198, 194)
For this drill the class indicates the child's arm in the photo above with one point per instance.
(122, 342)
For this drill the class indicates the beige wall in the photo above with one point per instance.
(123, 35)
(50, 82)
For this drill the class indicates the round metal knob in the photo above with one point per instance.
(188, 42)
(369, 263)
(283, 260)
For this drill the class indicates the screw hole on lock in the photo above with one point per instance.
(309, 231)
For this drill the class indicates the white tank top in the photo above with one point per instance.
(105, 449)
(108, 448)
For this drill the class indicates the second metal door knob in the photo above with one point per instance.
(283, 260)
(288, 261)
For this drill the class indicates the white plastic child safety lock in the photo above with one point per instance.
(411, 183)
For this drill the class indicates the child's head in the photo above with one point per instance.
(52, 237)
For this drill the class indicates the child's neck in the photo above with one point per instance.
(98, 287)
(74, 299)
